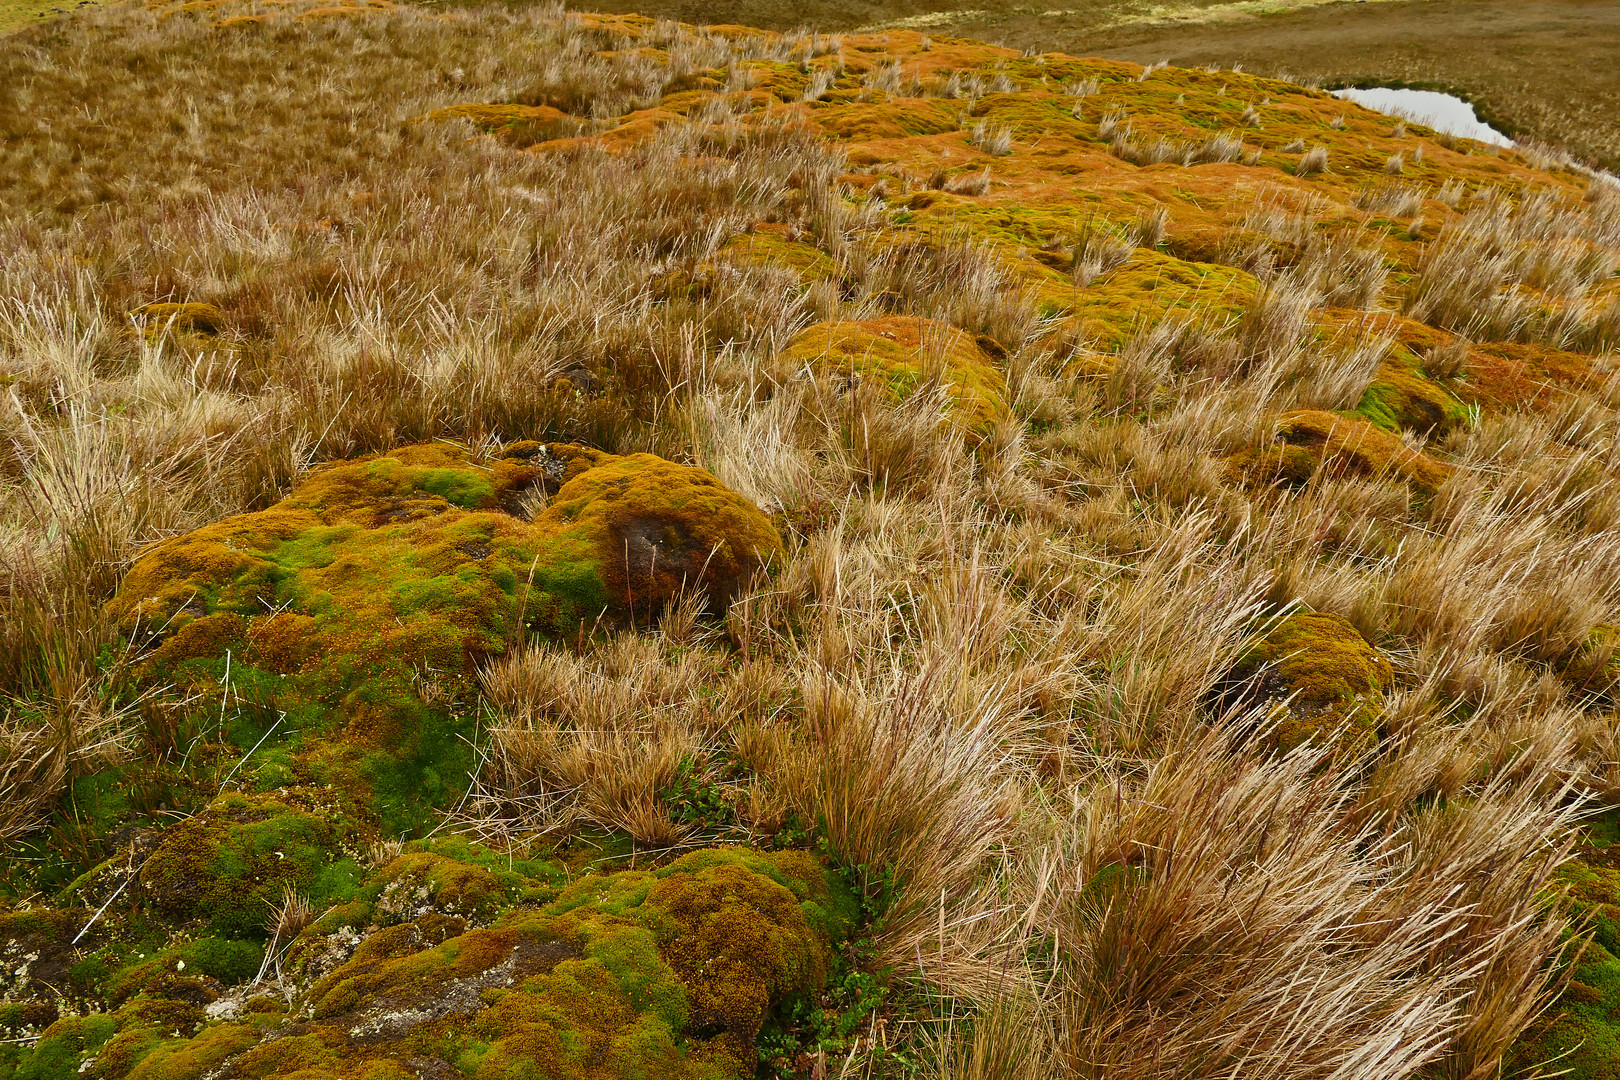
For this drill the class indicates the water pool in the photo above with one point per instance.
(1443, 112)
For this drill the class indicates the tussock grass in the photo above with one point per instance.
(992, 139)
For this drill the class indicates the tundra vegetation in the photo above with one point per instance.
(545, 545)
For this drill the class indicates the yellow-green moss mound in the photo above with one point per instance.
(902, 353)
(203, 318)
(1400, 399)
(627, 533)
(779, 247)
(518, 125)
(348, 618)
(1320, 671)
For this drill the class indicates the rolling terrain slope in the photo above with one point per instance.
(554, 545)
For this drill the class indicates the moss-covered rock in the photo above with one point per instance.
(667, 972)
(671, 972)
(740, 933)
(1149, 287)
(417, 535)
(901, 353)
(189, 1059)
(1322, 675)
(779, 247)
(625, 534)
(449, 876)
(36, 952)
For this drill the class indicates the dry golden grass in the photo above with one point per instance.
(984, 678)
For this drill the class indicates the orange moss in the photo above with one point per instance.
(281, 643)
(516, 125)
(452, 885)
(193, 638)
(1504, 374)
(738, 940)
(1151, 285)
(491, 117)
(344, 11)
(1309, 441)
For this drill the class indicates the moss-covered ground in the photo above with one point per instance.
(459, 956)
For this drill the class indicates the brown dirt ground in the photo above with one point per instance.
(1542, 69)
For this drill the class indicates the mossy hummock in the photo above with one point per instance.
(1323, 674)
(902, 353)
(672, 972)
(626, 534)
(198, 317)
(668, 973)
(1312, 441)
(348, 618)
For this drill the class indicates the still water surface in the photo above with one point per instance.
(1443, 112)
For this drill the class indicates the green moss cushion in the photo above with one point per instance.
(636, 975)
(348, 618)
